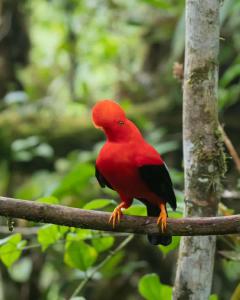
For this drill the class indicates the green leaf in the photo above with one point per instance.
(79, 255)
(213, 297)
(136, 210)
(48, 200)
(178, 40)
(236, 293)
(11, 249)
(167, 147)
(230, 74)
(233, 255)
(151, 289)
(103, 243)
(163, 4)
(63, 229)
(98, 203)
(113, 266)
(82, 234)
(75, 181)
(175, 214)
(49, 234)
(175, 243)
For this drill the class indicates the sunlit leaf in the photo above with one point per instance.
(163, 4)
(213, 297)
(49, 234)
(136, 210)
(48, 200)
(98, 203)
(11, 249)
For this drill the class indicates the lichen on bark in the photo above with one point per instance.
(204, 158)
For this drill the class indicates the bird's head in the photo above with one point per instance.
(110, 117)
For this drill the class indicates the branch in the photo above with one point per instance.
(234, 195)
(101, 264)
(75, 217)
(231, 148)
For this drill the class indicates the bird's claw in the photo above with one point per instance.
(115, 216)
(162, 221)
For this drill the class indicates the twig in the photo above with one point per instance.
(230, 148)
(234, 195)
(101, 264)
(27, 231)
(74, 217)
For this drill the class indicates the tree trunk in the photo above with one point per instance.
(203, 150)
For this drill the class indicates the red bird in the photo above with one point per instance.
(132, 167)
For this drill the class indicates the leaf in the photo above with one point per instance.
(79, 255)
(236, 293)
(82, 234)
(98, 203)
(231, 269)
(103, 243)
(136, 210)
(11, 249)
(213, 297)
(150, 288)
(225, 10)
(167, 147)
(178, 41)
(175, 214)
(44, 150)
(230, 74)
(48, 200)
(233, 255)
(175, 243)
(49, 234)
(113, 266)
(75, 180)
(163, 4)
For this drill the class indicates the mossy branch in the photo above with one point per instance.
(75, 217)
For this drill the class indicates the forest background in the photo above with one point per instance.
(57, 58)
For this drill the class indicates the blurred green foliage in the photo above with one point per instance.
(79, 52)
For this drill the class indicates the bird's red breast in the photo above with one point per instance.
(124, 152)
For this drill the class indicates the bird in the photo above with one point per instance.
(132, 167)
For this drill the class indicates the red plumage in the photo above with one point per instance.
(131, 167)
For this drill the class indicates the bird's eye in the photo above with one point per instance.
(121, 123)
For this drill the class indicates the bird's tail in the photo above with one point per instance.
(156, 239)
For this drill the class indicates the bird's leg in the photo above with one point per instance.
(162, 219)
(117, 213)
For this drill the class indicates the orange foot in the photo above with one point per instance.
(116, 215)
(162, 219)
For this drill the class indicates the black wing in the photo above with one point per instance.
(158, 181)
(155, 239)
(101, 180)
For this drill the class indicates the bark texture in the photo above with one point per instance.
(204, 159)
(75, 217)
